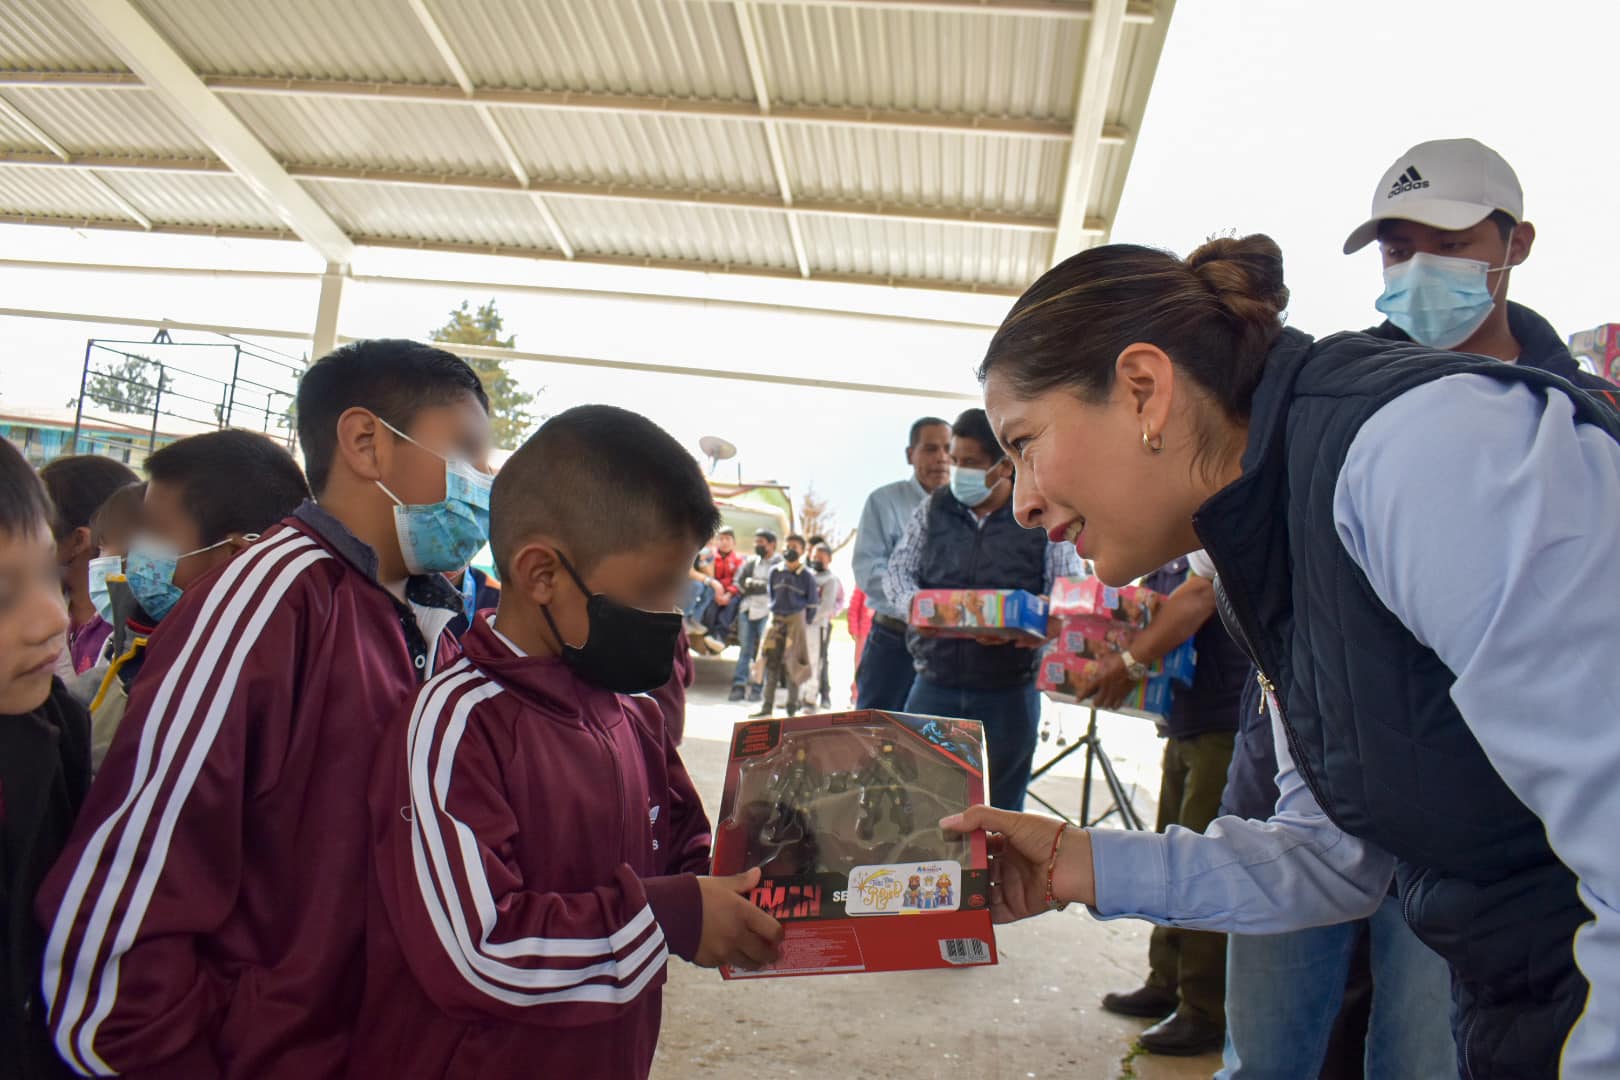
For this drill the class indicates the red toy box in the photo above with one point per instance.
(841, 813)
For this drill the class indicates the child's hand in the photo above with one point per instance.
(735, 931)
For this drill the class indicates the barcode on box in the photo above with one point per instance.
(964, 950)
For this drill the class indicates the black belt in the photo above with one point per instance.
(889, 622)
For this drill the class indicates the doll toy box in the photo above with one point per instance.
(1009, 613)
(1095, 621)
(840, 811)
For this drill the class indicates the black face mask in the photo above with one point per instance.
(627, 650)
(817, 565)
(792, 556)
(760, 550)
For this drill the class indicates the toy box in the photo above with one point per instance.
(1096, 620)
(1133, 606)
(974, 612)
(841, 814)
(1063, 674)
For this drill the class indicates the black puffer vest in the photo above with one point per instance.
(962, 553)
(1367, 707)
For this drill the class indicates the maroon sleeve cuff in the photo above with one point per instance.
(677, 904)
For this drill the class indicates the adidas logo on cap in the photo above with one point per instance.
(1410, 180)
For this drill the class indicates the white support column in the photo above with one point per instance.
(1103, 39)
(163, 69)
(773, 139)
(326, 312)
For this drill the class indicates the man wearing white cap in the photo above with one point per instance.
(1448, 217)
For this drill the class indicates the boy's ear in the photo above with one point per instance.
(360, 444)
(74, 544)
(536, 572)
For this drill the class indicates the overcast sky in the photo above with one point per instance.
(1268, 115)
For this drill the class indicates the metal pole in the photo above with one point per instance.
(84, 379)
(230, 404)
(157, 408)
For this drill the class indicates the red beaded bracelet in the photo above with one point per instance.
(1052, 903)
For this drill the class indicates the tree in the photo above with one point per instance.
(509, 416)
(131, 387)
(817, 519)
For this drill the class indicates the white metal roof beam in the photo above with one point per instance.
(773, 140)
(969, 216)
(161, 68)
(575, 101)
(486, 116)
(1103, 40)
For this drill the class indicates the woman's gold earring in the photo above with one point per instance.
(1151, 445)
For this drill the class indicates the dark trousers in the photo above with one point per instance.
(886, 672)
(825, 681)
(1192, 962)
(1011, 719)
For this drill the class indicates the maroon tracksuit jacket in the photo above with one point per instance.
(536, 841)
(207, 916)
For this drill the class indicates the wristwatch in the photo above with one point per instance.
(1137, 670)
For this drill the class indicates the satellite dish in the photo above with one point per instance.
(717, 450)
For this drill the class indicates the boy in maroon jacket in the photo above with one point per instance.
(538, 845)
(207, 916)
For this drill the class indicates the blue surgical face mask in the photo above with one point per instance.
(100, 570)
(969, 486)
(443, 537)
(1437, 300)
(150, 571)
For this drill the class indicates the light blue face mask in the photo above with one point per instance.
(443, 537)
(968, 485)
(150, 571)
(100, 570)
(1437, 300)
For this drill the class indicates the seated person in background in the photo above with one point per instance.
(78, 485)
(196, 516)
(44, 757)
(525, 902)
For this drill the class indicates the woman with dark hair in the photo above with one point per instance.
(1416, 548)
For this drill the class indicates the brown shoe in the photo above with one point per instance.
(1184, 1035)
(1148, 1003)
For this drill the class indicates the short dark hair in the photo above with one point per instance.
(765, 534)
(24, 504)
(817, 540)
(795, 536)
(925, 422)
(1505, 223)
(601, 481)
(975, 424)
(78, 485)
(121, 513)
(230, 481)
(394, 378)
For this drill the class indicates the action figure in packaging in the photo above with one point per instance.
(840, 813)
(1007, 613)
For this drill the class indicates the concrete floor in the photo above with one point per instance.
(1035, 1014)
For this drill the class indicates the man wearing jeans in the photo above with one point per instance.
(754, 584)
(884, 675)
(965, 537)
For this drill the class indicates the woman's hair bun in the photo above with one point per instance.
(1245, 273)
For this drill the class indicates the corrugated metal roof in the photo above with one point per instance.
(49, 35)
(639, 120)
(622, 229)
(358, 40)
(680, 48)
(194, 200)
(923, 168)
(59, 193)
(909, 59)
(641, 149)
(371, 134)
(90, 121)
(442, 215)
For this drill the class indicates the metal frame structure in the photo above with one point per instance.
(826, 140)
